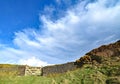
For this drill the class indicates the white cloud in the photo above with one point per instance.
(84, 27)
(33, 61)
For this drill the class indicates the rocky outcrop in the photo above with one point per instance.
(102, 54)
(107, 50)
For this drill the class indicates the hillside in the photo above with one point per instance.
(99, 66)
(104, 55)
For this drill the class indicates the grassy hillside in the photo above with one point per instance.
(88, 74)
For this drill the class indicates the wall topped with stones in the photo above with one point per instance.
(44, 71)
(62, 68)
(7, 69)
(25, 70)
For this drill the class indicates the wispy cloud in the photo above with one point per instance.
(84, 27)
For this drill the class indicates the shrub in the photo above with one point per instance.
(83, 60)
(97, 58)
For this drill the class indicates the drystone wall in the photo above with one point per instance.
(62, 68)
(15, 69)
(25, 70)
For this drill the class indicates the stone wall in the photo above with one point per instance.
(25, 70)
(62, 68)
(6, 69)
(32, 71)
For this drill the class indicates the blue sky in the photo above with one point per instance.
(43, 32)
